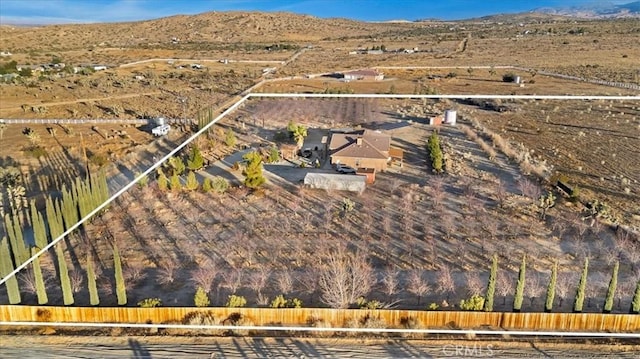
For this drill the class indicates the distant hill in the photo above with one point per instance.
(597, 11)
(211, 27)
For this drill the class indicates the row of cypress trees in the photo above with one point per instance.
(550, 293)
(76, 202)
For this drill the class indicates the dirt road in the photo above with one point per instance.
(60, 103)
(258, 347)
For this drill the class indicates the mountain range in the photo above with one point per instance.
(599, 10)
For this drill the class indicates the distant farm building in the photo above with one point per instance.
(365, 75)
(335, 182)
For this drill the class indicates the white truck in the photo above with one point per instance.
(161, 130)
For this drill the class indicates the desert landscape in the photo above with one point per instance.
(230, 220)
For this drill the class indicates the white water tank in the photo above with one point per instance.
(160, 121)
(450, 117)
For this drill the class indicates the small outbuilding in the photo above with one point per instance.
(336, 182)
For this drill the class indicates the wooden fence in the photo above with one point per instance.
(337, 317)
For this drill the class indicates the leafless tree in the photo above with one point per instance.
(416, 284)
(27, 281)
(205, 275)
(596, 284)
(390, 282)
(623, 291)
(445, 283)
(77, 279)
(564, 285)
(473, 282)
(232, 279)
(448, 224)
(344, 277)
(284, 281)
(528, 188)
(134, 273)
(168, 271)
(308, 281)
(257, 282)
(533, 287)
(500, 192)
(504, 285)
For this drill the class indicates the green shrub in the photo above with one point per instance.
(201, 299)
(219, 184)
(35, 151)
(433, 306)
(192, 182)
(195, 160)
(230, 138)
(253, 171)
(236, 301)
(274, 155)
(476, 302)
(150, 303)
(207, 185)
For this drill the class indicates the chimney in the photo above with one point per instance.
(359, 141)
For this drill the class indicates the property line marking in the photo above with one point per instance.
(295, 95)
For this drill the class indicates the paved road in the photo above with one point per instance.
(246, 347)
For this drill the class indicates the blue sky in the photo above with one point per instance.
(73, 11)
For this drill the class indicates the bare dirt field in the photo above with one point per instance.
(442, 228)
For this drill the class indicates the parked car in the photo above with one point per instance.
(345, 169)
(306, 153)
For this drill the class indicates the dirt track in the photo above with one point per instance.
(258, 347)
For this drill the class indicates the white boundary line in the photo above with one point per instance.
(124, 189)
(457, 96)
(315, 329)
(295, 95)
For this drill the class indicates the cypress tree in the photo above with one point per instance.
(69, 208)
(491, 286)
(253, 171)
(41, 289)
(635, 302)
(65, 282)
(6, 267)
(38, 227)
(582, 285)
(174, 183)
(94, 299)
(121, 290)
(551, 288)
(192, 182)
(519, 295)
(195, 160)
(163, 182)
(613, 283)
(18, 247)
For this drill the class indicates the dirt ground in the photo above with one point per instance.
(292, 347)
(409, 220)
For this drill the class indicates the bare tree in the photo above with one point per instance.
(533, 287)
(133, 274)
(168, 271)
(445, 283)
(596, 284)
(473, 282)
(77, 279)
(232, 279)
(417, 285)
(284, 281)
(500, 192)
(390, 282)
(565, 283)
(345, 277)
(257, 282)
(205, 275)
(27, 281)
(504, 285)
